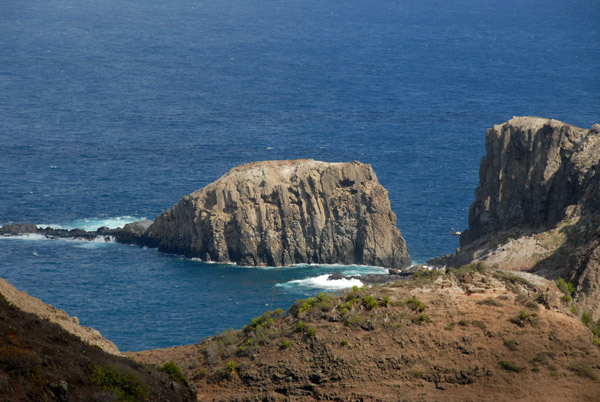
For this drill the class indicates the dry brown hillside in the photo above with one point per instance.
(472, 334)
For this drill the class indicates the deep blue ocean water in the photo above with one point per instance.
(115, 109)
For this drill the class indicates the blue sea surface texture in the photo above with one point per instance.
(111, 111)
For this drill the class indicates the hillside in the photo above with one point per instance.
(469, 334)
(537, 207)
(41, 361)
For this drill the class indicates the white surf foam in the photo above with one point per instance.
(98, 240)
(91, 224)
(321, 282)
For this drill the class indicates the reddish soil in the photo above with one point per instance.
(484, 335)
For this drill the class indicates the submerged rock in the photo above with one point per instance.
(286, 212)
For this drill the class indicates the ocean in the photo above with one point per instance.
(111, 111)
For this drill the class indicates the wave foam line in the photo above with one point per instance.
(92, 224)
(321, 282)
(40, 237)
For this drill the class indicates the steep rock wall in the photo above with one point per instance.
(538, 205)
(533, 170)
(286, 212)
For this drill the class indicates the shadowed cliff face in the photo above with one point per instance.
(286, 212)
(538, 205)
(534, 169)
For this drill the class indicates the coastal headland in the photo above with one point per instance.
(512, 315)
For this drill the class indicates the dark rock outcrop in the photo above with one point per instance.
(286, 212)
(537, 207)
(41, 361)
(533, 171)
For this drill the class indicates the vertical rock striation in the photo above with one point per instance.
(540, 185)
(533, 170)
(286, 212)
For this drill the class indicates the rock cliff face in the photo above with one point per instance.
(286, 212)
(538, 205)
(536, 172)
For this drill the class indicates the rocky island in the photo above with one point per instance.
(272, 213)
(478, 328)
(286, 212)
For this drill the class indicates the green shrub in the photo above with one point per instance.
(301, 326)
(421, 319)
(586, 319)
(174, 373)
(511, 366)
(463, 323)
(306, 329)
(386, 301)
(231, 366)
(370, 302)
(522, 319)
(344, 343)
(351, 302)
(121, 380)
(565, 287)
(324, 302)
(465, 269)
(286, 344)
(574, 309)
(415, 304)
(264, 321)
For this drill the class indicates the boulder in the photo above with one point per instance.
(278, 213)
(15, 229)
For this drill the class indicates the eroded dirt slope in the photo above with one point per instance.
(469, 334)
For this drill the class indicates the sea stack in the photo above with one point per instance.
(277, 213)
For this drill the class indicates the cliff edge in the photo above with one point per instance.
(537, 207)
(286, 212)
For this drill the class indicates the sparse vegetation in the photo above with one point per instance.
(416, 305)
(479, 324)
(522, 319)
(584, 369)
(567, 289)
(466, 269)
(120, 380)
(490, 302)
(18, 361)
(421, 319)
(286, 343)
(174, 373)
(511, 366)
(231, 366)
(511, 344)
(586, 319)
(369, 302)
